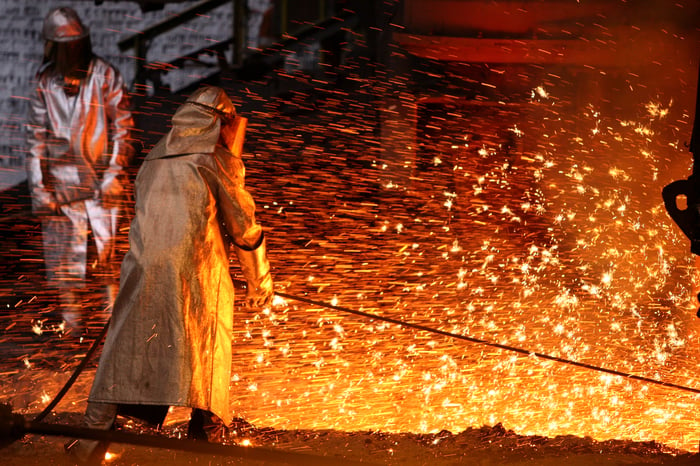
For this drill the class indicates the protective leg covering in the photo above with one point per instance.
(91, 452)
(71, 312)
(206, 426)
(111, 291)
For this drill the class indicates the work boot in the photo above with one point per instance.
(92, 452)
(206, 427)
(72, 314)
(240, 428)
(86, 452)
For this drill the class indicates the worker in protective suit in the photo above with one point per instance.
(78, 132)
(170, 338)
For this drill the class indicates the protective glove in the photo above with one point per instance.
(111, 191)
(44, 203)
(261, 295)
(256, 270)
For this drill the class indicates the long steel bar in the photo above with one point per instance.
(14, 426)
(489, 343)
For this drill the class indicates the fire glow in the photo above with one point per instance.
(558, 252)
(560, 246)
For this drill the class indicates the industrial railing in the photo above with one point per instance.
(263, 61)
(140, 41)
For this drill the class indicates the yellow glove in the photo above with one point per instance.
(256, 270)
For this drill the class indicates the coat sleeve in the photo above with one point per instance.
(37, 135)
(238, 211)
(236, 205)
(118, 106)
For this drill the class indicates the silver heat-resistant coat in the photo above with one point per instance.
(78, 147)
(170, 338)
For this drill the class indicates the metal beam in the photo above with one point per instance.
(170, 23)
(535, 51)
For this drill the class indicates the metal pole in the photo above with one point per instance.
(29, 212)
(240, 30)
(14, 426)
(76, 373)
(522, 351)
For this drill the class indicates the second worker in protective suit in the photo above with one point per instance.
(79, 138)
(169, 342)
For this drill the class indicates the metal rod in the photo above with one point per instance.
(29, 212)
(194, 446)
(166, 25)
(488, 343)
(13, 427)
(75, 374)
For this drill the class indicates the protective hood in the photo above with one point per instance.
(196, 124)
(64, 25)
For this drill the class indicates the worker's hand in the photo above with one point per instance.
(47, 205)
(111, 194)
(256, 270)
(261, 295)
(50, 208)
(110, 187)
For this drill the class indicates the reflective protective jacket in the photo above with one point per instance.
(169, 342)
(78, 147)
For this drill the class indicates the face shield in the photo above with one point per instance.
(232, 126)
(233, 134)
(68, 44)
(214, 99)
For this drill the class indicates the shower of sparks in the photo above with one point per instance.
(556, 251)
(538, 226)
(541, 92)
